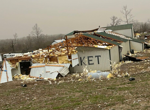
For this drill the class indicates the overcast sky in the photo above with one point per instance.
(63, 16)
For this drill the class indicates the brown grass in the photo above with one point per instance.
(118, 93)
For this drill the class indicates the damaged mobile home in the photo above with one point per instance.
(128, 31)
(96, 49)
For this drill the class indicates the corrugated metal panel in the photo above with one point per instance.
(112, 36)
(75, 59)
(101, 39)
(95, 58)
(120, 27)
(114, 54)
(64, 71)
(47, 71)
(71, 33)
(136, 46)
(136, 40)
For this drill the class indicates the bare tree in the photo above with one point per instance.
(37, 32)
(115, 21)
(15, 37)
(127, 14)
(29, 41)
(14, 41)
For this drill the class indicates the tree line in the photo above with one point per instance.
(33, 41)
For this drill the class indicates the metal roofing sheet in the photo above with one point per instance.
(112, 36)
(136, 40)
(64, 71)
(101, 39)
(71, 33)
(120, 27)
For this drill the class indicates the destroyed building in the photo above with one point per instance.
(96, 49)
(125, 29)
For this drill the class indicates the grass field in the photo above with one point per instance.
(114, 94)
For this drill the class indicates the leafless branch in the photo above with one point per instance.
(127, 14)
(115, 21)
(36, 31)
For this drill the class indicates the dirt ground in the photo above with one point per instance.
(113, 94)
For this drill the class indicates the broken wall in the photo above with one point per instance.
(94, 58)
(49, 71)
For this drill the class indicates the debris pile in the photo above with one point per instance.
(116, 71)
(128, 68)
(56, 59)
(23, 77)
(91, 75)
(60, 53)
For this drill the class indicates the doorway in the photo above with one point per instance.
(24, 67)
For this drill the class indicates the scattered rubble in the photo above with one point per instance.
(56, 59)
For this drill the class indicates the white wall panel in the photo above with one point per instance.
(37, 71)
(115, 54)
(136, 46)
(6, 67)
(125, 48)
(95, 58)
(127, 32)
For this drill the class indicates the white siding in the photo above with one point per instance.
(47, 71)
(125, 48)
(0, 58)
(95, 58)
(115, 54)
(127, 32)
(36, 72)
(19, 70)
(4, 75)
(133, 32)
(136, 46)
